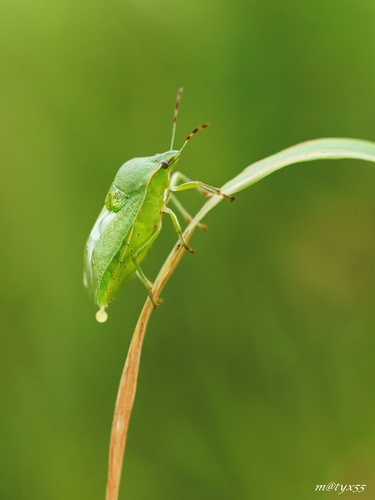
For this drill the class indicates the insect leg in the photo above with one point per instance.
(147, 283)
(140, 274)
(177, 228)
(200, 186)
(177, 176)
(184, 212)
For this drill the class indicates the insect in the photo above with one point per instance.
(131, 220)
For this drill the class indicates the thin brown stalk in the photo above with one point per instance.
(306, 151)
(128, 382)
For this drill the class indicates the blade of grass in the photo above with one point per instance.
(318, 149)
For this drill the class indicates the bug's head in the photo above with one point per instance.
(168, 159)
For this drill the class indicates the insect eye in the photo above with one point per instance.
(164, 164)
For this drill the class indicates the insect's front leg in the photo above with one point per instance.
(202, 187)
(179, 176)
(177, 228)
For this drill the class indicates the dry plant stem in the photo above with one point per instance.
(307, 151)
(128, 382)
(124, 404)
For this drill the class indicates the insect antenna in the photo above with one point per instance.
(201, 127)
(176, 106)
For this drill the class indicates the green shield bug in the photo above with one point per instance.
(131, 220)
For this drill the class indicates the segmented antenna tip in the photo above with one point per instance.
(201, 127)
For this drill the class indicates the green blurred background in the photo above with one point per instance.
(257, 376)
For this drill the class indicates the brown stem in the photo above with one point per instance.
(124, 404)
(128, 382)
(311, 150)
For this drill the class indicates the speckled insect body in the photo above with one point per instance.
(131, 220)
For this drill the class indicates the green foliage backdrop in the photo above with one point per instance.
(257, 376)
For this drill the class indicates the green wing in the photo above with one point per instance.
(106, 238)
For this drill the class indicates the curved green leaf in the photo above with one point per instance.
(319, 149)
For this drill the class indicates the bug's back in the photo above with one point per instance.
(127, 226)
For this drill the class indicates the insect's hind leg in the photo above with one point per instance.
(202, 187)
(140, 274)
(147, 283)
(184, 212)
(177, 228)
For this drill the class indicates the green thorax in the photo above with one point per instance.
(135, 175)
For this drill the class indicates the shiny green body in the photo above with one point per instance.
(129, 223)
